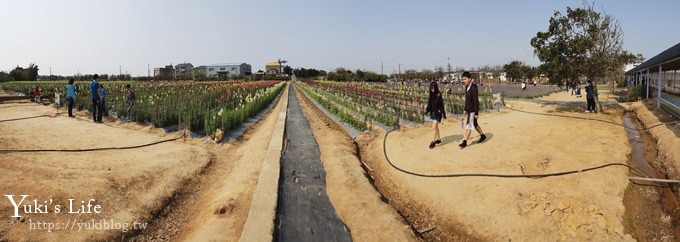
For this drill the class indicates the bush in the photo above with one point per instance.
(635, 93)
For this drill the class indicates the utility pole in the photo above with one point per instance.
(120, 71)
(381, 68)
(50, 73)
(148, 71)
(448, 61)
(399, 68)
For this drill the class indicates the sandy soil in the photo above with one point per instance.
(194, 191)
(586, 206)
(130, 185)
(355, 200)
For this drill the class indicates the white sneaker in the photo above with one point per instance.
(587, 111)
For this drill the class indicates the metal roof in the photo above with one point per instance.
(663, 57)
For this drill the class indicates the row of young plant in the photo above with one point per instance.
(224, 118)
(342, 112)
(389, 105)
(189, 104)
(367, 102)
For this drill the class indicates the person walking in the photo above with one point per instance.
(131, 97)
(102, 100)
(590, 97)
(70, 97)
(471, 110)
(96, 105)
(435, 108)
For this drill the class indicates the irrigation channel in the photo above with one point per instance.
(651, 208)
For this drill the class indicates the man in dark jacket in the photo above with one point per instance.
(96, 101)
(471, 111)
(590, 97)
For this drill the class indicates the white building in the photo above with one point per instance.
(503, 77)
(223, 70)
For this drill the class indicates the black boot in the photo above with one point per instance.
(462, 145)
(482, 139)
(432, 145)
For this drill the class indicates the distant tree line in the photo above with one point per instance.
(518, 71)
(342, 74)
(425, 74)
(302, 73)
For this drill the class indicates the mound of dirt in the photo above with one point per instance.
(131, 186)
(584, 206)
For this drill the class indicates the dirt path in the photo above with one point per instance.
(355, 200)
(585, 206)
(130, 185)
(216, 204)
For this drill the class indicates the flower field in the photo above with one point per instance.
(360, 104)
(198, 106)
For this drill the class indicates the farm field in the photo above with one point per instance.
(170, 188)
(202, 107)
(319, 121)
(191, 188)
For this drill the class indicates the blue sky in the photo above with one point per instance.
(100, 36)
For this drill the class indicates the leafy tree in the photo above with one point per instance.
(370, 76)
(288, 70)
(25, 74)
(308, 73)
(340, 74)
(514, 70)
(4, 76)
(583, 43)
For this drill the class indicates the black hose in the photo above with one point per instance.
(574, 117)
(93, 149)
(591, 119)
(16, 119)
(499, 175)
(523, 175)
(13, 106)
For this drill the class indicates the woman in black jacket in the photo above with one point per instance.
(435, 108)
